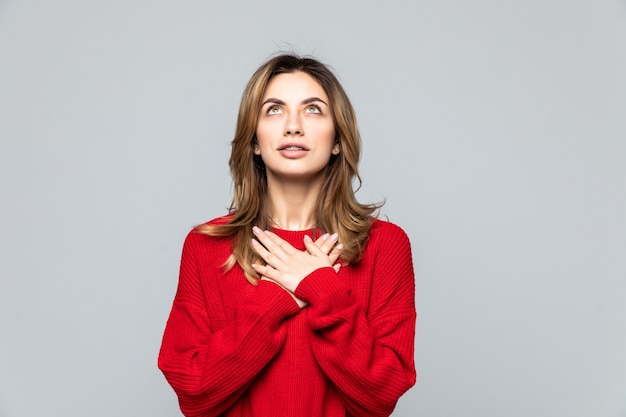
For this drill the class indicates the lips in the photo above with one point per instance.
(293, 147)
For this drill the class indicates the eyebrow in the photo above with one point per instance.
(282, 103)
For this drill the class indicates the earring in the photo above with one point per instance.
(335, 150)
(257, 150)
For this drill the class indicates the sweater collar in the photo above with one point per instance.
(296, 237)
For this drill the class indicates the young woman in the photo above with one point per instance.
(299, 302)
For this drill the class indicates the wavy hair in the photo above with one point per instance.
(337, 210)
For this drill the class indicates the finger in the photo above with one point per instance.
(272, 242)
(263, 238)
(312, 247)
(266, 255)
(327, 242)
(335, 250)
(320, 240)
(266, 272)
(337, 267)
(313, 250)
(335, 253)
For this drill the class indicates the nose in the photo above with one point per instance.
(293, 125)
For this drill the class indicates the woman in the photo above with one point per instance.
(299, 302)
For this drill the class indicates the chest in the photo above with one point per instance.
(227, 291)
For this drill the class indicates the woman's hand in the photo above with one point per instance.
(328, 244)
(288, 266)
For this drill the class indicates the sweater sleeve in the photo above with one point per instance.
(209, 366)
(367, 354)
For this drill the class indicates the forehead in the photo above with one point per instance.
(295, 86)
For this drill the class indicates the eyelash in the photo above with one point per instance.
(316, 109)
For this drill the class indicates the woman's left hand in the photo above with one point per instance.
(287, 265)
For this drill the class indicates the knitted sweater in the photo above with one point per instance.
(231, 348)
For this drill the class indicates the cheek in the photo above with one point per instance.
(328, 135)
(269, 127)
(321, 130)
(262, 133)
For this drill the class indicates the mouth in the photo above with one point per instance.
(292, 148)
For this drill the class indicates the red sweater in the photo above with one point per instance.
(234, 349)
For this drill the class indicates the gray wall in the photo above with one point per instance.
(496, 131)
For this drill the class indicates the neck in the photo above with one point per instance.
(291, 204)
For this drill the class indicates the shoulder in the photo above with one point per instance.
(386, 236)
(383, 229)
(201, 234)
(205, 228)
(218, 221)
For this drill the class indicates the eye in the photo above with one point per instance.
(313, 108)
(274, 110)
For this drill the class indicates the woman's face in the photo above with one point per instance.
(295, 132)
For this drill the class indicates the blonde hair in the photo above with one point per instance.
(337, 210)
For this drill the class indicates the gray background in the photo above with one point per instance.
(496, 131)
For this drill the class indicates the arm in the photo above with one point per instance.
(209, 366)
(367, 355)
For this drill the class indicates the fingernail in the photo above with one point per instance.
(256, 230)
(339, 246)
(334, 237)
(308, 238)
(325, 236)
(254, 266)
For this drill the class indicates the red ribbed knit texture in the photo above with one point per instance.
(234, 349)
